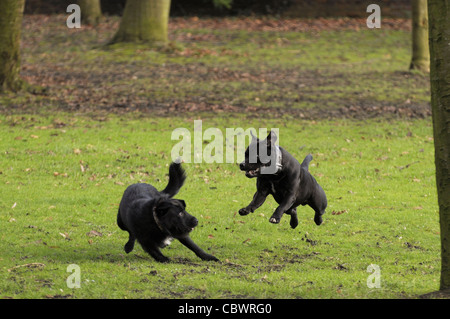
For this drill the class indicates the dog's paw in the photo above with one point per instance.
(318, 219)
(244, 211)
(274, 220)
(210, 258)
(293, 223)
(162, 259)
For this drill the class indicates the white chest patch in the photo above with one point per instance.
(166, 242)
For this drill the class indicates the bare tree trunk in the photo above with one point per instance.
(144, 21)
(420, 49)
(91, 11)
(439, 14)
(11, 13)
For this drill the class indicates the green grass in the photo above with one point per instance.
(380, 173)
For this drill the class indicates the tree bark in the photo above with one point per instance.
(11, 13)
(91, 11)
(420, 48)
(439, 15)
(144, 21)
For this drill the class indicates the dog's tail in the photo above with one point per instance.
(176, 179)
(305, 163)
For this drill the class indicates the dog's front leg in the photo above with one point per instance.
(189, 243)
(154, 251)
(285, 205)
(258, 199)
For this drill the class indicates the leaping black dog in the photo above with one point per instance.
(278, 173)
(154, 218)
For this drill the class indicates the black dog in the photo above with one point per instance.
(155, 218)
(281, 175)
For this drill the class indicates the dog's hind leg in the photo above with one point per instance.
(319, 204)
(294, 219)
(318, 216)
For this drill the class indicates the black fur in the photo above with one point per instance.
(154, 218)
(291, 184)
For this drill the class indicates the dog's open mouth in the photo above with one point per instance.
(252, 173)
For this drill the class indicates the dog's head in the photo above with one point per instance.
(261, 157)
(171, 217)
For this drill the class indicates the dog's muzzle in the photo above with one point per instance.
(249, 172)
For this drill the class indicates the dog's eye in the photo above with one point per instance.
(181, 214)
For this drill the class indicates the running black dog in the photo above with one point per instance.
(281, 175)
(155, 218)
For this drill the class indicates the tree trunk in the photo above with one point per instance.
(420, 49)
(439, 14)
(144, 21)
(11, 13)
(91, 11)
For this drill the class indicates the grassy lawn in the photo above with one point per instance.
(106, 122)
(63, 179)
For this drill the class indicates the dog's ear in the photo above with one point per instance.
(161, 206)
(272, 137)
(181, 202)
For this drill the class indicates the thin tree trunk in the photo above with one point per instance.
(420, 48)
(439, 14)
(11, 13)
(144, 21)
(91, 11)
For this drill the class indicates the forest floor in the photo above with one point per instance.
(312, 69)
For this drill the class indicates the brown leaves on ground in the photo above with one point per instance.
(76, 84)
(267, 23)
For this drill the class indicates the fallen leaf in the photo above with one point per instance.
(65, 235)
(94, 233)
(30, 265)
(338, 212)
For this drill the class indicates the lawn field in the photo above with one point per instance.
(62, 179)
(98, 118)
